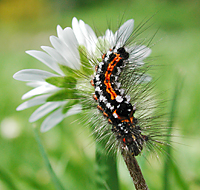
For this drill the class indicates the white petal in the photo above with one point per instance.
(54, 54)
(77, 31)
(91, 33)
(36, 83)
(91, 43)
(70, 39)
(101, 46)
(40, 90)
(124, 32)
(90, 37)
(52, 120)
(74, 110)
(32, 75)
(46, 59)
(59, 31)
(110, 37)
(33, 102)
(66, 52)
(57, 116)
(140, 52)
(44, 110)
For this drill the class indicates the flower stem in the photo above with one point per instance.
(135, 171)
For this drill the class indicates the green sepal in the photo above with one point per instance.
(62, 82)
(63, 95)
(69, 105)
(70, 72)
(86, 67)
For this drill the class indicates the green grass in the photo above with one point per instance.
(69, 146)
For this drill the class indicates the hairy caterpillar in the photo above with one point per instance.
(122, 88)
(113, 104)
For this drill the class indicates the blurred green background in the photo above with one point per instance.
(27, 24)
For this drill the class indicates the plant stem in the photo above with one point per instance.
(135, 171)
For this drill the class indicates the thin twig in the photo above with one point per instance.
(135, 171)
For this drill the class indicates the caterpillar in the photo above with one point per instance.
(124, 96)
(111, 102)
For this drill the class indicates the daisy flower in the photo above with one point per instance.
(75, 53)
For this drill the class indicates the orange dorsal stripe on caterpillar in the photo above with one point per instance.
(108, 73)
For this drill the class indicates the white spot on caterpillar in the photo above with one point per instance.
(108, 53)
(98, 83)
(115, 115)
(108, 105)
(102, 99)
(119, 99)
(115, 50)
(101, 64)
(99, 70)
(112, 108)
(97, 89)
(97, 77)
(106, 59)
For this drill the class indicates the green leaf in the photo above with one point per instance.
(54, 178)
(86, 67)
(63, 95)
(69, 104)
(62, 82)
